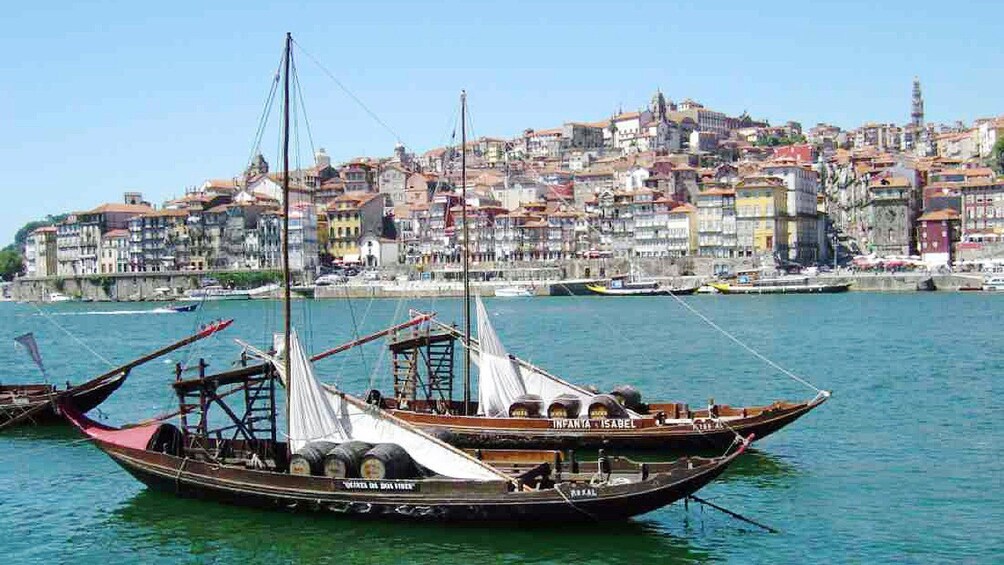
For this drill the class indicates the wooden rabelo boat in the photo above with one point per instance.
(528, 407)
(38, 403)
(241, 460)
(623, 285)
(347, 456)
(33, 403)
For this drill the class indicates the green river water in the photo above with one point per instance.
(903, 463)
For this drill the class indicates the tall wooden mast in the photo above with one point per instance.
(465, 250)
(286, 311)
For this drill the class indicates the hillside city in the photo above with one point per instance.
(669, 180)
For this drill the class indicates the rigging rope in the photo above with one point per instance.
(265, 113)
(715, 326)
(348, 92)
(73, 337)
(742, 344)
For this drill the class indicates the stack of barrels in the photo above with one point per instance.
(564, 406)
(353, 459)
(526, 406)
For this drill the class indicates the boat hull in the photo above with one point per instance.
(215, 297)
(43, 411)
(693, 435)
(785, 289)
(605, 291)
(513, 293)
(436, 499)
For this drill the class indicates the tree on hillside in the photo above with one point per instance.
(21, 237)
(997, 156)
(11, 263)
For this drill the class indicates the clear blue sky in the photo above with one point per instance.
(102, 97)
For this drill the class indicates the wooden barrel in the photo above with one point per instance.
(604, 406)
(627, 395)
(387, 461)
(526, 406)
(309, 460)
(342, 461)
(564, 406)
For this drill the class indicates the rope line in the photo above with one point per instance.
(349, 92)
(73, 337)
(742, 344)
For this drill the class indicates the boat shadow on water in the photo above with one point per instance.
(165, 525)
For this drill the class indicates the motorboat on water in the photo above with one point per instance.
(59, 297)
(513, 292)
(993, 282)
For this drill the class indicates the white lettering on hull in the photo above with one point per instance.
(577, 424)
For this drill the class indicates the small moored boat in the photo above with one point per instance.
(216, 292)
(513, 292)
(623, 286)
(760, 282)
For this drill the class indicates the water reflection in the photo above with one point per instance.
(167, 527)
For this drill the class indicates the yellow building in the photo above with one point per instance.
(322, 229)
(762, 217)
(350, 217)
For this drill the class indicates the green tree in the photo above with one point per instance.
(997, 156)
(21, 237)
(11, 263)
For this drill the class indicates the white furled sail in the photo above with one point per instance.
(549, 387)
(531, 379)
(322, 412)
(498, 382)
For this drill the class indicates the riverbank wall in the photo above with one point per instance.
(172, 285)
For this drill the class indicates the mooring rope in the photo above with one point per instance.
(742, 344)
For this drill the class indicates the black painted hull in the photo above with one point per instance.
(275, 491)
(645, 439)
(44, 412)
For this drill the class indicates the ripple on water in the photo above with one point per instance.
(902, 464)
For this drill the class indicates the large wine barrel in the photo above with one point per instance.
(564, 406)
(309, 460)
(604, 406)
(387, 461)
(627, 395)
(342, 461)
(526, 406)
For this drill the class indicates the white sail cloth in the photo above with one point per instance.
(499, 384)
(322, 412)
(502, 378)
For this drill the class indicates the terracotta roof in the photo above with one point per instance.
(116, 234)
(890, 182)
(717, 192)
(939, 215)
(116, 207)
(683, 209)
(626, 116)
(551, 131)
(358, 197)
(166, 213)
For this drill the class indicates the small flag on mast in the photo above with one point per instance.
(28, 342)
